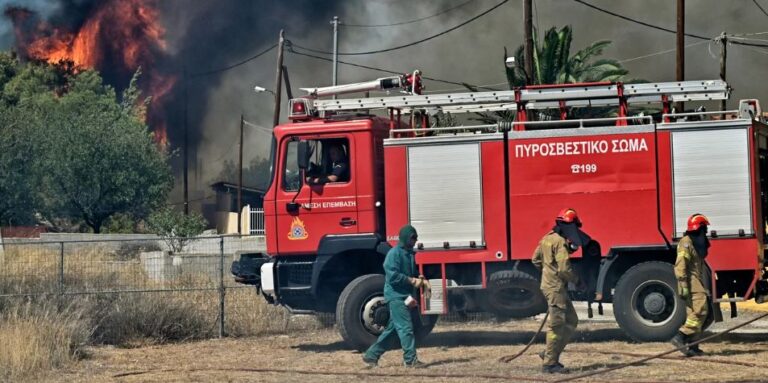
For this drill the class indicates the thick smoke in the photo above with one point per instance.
(204, 35)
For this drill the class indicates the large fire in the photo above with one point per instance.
(116, 37)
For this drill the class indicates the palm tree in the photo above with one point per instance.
(553, 64)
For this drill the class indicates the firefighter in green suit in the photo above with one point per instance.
(552, 257)
(401, 285)
(690, 271)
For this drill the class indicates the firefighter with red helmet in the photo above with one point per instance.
(690, 271)
(552, 257)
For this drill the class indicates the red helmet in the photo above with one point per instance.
(568, 215)
(695, 221)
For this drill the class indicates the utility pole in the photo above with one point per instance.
(680, 72)
(240, 182)
(723, 38)
(288, 91)
(279, 77)
(335, 23)
(528, 14)
(186, 143)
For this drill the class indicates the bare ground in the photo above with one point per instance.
(465, 352)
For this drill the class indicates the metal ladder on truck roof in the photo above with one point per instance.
(541, 97)
(523, 99)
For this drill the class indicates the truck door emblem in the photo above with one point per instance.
(298, 231)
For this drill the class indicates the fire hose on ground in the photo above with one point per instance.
(661, 354)
(509, 358)
(506, 359)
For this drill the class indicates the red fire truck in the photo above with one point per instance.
(481, 196)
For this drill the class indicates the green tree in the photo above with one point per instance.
(175, 228)
(96, 157)
(553, 64)
(71, 151)
(17, 205)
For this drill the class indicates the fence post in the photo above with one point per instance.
(221, 287)
(61, 268)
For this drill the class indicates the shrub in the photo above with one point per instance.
(176, 229)
(152, 317)
(36, 337)
(131, 250)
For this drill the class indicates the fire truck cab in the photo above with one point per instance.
(481, 197)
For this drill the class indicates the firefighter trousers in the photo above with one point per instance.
(696, 307)
(562, 324)
(401, 326)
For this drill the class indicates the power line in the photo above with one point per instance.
(291, 50)
(409, 44)
(232, 66)
(761, 8)
(614, 14)
(409, 21)
(660, 52)
(485, 86)
(748, 44)
(661, 28)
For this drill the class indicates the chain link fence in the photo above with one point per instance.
(137, 280)
(134, 287)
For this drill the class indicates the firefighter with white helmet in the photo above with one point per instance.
(690, 271)
(552, 257)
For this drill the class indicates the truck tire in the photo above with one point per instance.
(645, 302)
(514, 294)
(361, 314)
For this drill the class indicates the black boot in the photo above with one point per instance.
(541, 355)
(679, 341)
(695, 350)
(555, 369)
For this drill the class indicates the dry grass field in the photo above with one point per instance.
(47, 331)
(454, 353)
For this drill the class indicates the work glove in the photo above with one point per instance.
(416, 282)
(426, 288)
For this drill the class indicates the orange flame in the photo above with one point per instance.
(118, 36)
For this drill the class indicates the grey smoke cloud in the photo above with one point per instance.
(44, 7)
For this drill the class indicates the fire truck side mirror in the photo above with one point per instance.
(302, 154)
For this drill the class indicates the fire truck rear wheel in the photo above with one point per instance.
(514, 294)
(645, 302)
(361, 314)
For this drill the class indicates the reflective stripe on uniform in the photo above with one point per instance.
(684, 254)
(552, 336)
(692, 323)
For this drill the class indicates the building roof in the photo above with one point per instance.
(223, 186)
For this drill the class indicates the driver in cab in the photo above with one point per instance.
(339, 169)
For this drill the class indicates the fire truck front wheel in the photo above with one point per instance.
(645, 302)
(362, 314)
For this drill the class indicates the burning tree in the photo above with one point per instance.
(114, 37)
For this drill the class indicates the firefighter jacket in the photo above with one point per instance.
(399, 266)
(689, 268)
(553, 259)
